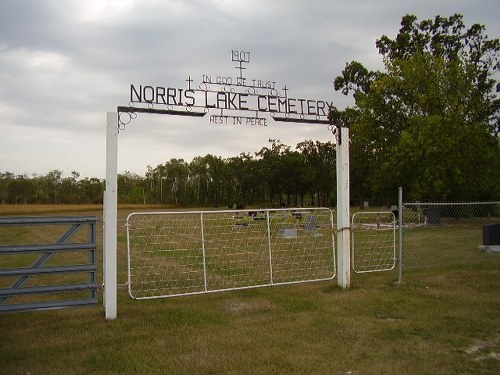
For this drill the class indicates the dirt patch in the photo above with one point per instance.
(240, 306)
(485, 349)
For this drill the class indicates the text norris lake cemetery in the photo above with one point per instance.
(230, 96)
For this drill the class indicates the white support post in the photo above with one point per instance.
(343, 210)
(110, 218)
(400, 225)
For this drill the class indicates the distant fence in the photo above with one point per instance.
(38, 273)
(446, 234)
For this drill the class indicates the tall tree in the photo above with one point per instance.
(131, 188)
(428, 121)
(53, 181)
(319, 170)
(244, 179)
(273, 169)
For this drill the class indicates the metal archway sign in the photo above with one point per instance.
(227, 100)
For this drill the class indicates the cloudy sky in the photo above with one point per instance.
(65, 63)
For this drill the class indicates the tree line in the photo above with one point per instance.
(51, 188)
(429, 122)
(275, 175)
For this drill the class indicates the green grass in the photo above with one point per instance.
(427, 325)
(439, 321)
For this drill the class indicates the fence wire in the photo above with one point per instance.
(447, 234)
(373, 241)
(181, 253)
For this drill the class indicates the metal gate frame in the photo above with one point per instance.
(375, 224)
(62, 244)
(270, 232)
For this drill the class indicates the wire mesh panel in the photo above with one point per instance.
(446, 234)
(302, 244)
(236, 250)
(179, 253)
(164, 254)
(373, 241)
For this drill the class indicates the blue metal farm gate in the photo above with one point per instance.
(40, 276)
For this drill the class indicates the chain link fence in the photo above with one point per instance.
(449, 234)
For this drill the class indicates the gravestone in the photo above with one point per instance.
(433, 215)
(491, 238)
(310, 223)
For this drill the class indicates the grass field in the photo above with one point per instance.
(439, 321)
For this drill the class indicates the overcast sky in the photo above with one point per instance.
(65, 63)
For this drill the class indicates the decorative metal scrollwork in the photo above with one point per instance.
(124, 118)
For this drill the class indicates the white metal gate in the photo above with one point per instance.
(193, 252)
(373, 241)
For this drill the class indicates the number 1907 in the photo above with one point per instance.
(240, 56)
